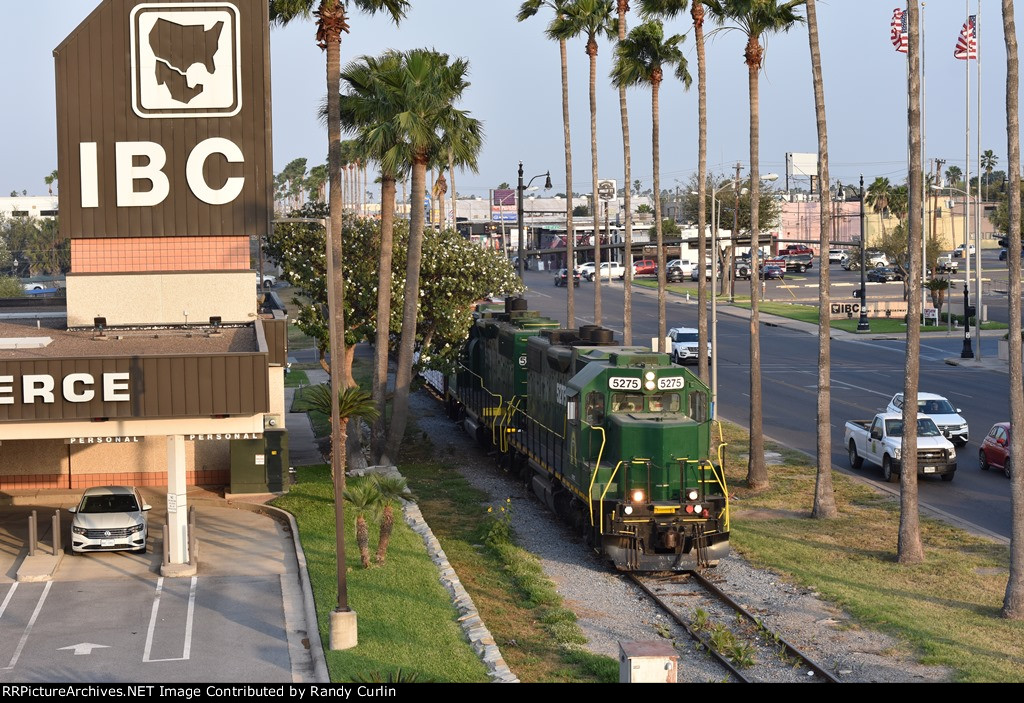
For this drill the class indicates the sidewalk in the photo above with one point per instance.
(302, 446)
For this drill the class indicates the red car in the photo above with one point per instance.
(995, 449)
(645, 267)
(796, 249)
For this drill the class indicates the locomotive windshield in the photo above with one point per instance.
(663, 403)
(627, 402)
(655, 403)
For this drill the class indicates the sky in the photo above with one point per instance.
(516, 91)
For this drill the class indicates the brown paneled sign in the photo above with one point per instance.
(163, 120)
(146, 387)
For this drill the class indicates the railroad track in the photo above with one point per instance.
(738, 640)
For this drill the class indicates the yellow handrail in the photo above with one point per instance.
(608, 485)
(593, 477)
(485, 389)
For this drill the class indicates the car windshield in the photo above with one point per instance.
(111, 503)
(936, 407)
(925, 428)
(684, 337)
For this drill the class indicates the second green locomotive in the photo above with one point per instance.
(616, 439)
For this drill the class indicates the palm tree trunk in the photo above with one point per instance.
(363, 540)
(332, 18)
(627, 322)
(382, 342)
(1013, 601)
(757, 474)
(824, 496)
(697, 12)
(658, 226)
(592, 52)
(910, 550)
(451, 185)
(403, 375)
(570, 232)
(387, 525)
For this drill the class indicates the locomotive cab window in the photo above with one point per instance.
(627, 402)
(595, 408)
(663, 403)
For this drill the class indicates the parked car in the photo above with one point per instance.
(562, 278)
(949, 421)
(797, 249)
(645, 267)
(959, 251)
(874, 260)
(882, 275)
(835, 256)
(695, 274)
(1004, 254)
(995, 450)
(772, 272)
(685, 344)
(684, 265)
(266, 280)
(109, 518)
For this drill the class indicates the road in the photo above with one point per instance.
(865, 375)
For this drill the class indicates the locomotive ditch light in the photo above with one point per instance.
(628, 510)
(698, 509)
(637, 496)
(692, 495)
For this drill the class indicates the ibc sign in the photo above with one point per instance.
(165, 131)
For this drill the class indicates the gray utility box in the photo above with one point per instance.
(647, 662)
(259, 465)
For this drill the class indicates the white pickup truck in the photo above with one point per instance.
(879, 440)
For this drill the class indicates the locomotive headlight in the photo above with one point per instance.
(649, 385)
(628, 510)
(698, 509)
(649, 375)
(692, 495)
(637, 496)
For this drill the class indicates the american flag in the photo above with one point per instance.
(967, 42)
(899, 30)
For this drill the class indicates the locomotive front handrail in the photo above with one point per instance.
(485, 389)
(600, 515)
(593, 477)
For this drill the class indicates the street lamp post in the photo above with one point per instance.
(519, 211)
(967, 352)
(862, 321)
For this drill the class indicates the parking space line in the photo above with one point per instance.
(189, 619)
(28, 627)
(7, 599)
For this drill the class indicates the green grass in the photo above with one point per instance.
(320, 422)
(295, 378)
(405, 617)
(879, 325)
(538, 635)
(946, 608)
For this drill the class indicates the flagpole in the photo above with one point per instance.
(967, 175)
(977, 208)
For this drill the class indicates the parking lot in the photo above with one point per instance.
(112, 617)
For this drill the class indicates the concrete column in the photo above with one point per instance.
(177, 509)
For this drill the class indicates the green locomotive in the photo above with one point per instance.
(616, 439)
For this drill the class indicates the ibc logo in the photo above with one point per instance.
(185, 60)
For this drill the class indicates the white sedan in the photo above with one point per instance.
(109, 518)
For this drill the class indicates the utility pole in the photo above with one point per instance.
(735, 231)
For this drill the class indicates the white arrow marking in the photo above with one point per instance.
(84, 648)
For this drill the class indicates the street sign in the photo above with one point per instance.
(606, 190)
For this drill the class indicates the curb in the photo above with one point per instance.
(469, 618)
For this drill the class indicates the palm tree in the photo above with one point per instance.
(670, 9)
(590, 18)
(526, 10)
(954, 174)
(50, 180)
(352, 403)
(332, 20)
(622, 7)
(1013, 600)
(755, 18)
(988, 162)
(365, 499)
(877, 198)
(367, 108)
(824, 497)
(641, 59)
(390, 489)
(429, 125)
(909, 549)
